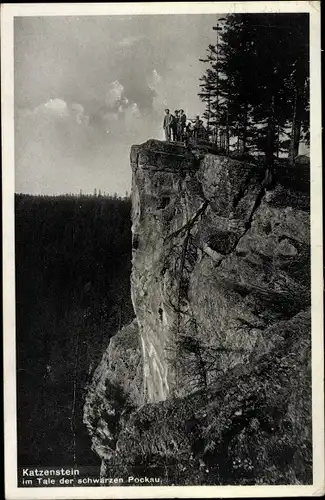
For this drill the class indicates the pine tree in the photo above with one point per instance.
(256, 84)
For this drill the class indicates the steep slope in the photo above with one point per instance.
(220, 289)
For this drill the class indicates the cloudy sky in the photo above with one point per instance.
(87, 88)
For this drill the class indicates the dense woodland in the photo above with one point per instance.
(73, 263)
(256, 83)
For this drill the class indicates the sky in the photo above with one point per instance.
(87, 88)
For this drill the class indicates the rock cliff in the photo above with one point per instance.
(212, 379)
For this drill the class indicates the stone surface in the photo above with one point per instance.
(116, 390)
(216, 260)
(252, 426)
(221, 289)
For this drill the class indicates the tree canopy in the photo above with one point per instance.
(256, 83)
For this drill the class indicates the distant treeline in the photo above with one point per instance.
(97, 193)
(73, 264)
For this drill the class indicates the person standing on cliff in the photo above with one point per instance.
(182, 124)
(196, 128)
(168, 120)
(175, 126)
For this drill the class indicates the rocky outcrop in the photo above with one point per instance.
(221, 292)
(217, 259)
(115, 391)
(251, 427)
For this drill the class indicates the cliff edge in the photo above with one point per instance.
(211, 382)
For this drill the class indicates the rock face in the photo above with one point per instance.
(217, 260)
(116, 390)
(221, 293)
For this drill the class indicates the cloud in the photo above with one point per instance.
(154, 79)
(57, 109)
(118, 112)
(116, 99)
(62, 147)
(62, 141)
(134, 110)
(78, 111)
(114, 93)
(57, 106)
(104, 73)
(157, 84)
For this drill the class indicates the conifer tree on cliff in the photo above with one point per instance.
(256, 82)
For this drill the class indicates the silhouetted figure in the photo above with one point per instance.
(182, 124)
(196, 128)
(175, 125)
(168, 120)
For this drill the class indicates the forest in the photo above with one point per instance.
(256, 84)
(73, 263)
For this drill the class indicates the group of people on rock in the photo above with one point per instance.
(178, 129)
(174, 125)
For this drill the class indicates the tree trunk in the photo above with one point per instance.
(223, 140)
(298, 109)
(216, 131)
(296, 128)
